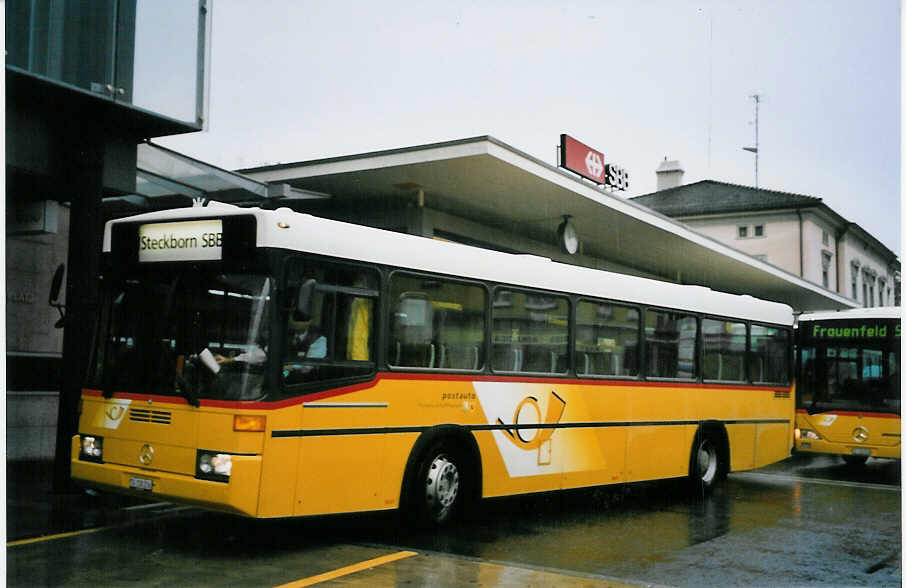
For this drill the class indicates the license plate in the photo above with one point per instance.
(140, 483)
(861, 451)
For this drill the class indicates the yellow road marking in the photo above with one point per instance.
(371, 563)
(56, 536)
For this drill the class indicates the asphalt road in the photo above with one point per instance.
(808, 521)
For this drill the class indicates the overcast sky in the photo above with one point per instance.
(638, 80)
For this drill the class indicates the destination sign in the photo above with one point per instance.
(849, 330)
(200, 240)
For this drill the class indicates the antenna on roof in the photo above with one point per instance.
(757, 98)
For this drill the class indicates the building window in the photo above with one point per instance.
(742, 232)
(854, 268)
(826, 257)
(881, 285)
(825, 238)
(759, 230)
(865, 294)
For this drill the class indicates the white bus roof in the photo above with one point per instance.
(878, 312)
(356, 242)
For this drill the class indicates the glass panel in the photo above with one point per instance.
(436, 323)
(194, 333)
(70, 41)
(334, 337)
(769, 355)
(670, 344)
(724, 350)
(143, 52)
(531, 333)
(607, 339)
(164, 73)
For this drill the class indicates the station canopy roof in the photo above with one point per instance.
(486, 180)
(167, 179)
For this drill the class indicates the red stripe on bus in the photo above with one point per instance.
(410, 376)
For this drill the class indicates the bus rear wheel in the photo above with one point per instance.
(707, 464)
(438, 490)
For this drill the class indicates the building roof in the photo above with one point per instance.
(484, 180)
(711, 197)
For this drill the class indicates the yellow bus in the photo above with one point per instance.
(848, 383)
(274, 364)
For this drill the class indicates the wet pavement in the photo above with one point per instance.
(805, 522)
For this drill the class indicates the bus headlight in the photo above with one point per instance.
(92, 448)
(807, 434)
(210, 465)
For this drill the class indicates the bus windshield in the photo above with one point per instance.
(190, 332)
(850, 377)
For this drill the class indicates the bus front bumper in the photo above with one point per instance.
(822, 446)
(239, 495)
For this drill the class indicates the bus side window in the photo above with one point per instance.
(670, 344)
(724, 350)
(436, 324)
(413, 331)
(607, 338)
(531, 332)
(337, 339)
(768, 355)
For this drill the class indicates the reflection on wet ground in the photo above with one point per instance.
(806, 521)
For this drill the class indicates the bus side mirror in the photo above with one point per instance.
(55, 286)
(305, 300)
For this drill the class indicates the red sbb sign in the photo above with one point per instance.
(589, 163)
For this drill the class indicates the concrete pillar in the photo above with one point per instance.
(82, 168)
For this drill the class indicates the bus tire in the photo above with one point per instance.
(439, 488)
(709, 460)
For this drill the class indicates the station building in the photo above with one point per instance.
(795, 232)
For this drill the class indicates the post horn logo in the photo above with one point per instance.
(860, 434)
(115, 411)
(536, 435)
(146, 454)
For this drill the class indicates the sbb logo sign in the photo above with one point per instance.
(617, 177)
(589, 163)
(594, 163)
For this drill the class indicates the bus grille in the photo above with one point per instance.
(146, 415)
(781, 393)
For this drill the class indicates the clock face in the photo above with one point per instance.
(569, 240)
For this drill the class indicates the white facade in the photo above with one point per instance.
(813, 245)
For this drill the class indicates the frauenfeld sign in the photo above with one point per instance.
(589, 163)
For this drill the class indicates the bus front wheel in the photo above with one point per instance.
(438, 489)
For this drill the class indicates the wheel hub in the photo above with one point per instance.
(442, 485)
(707, 462)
